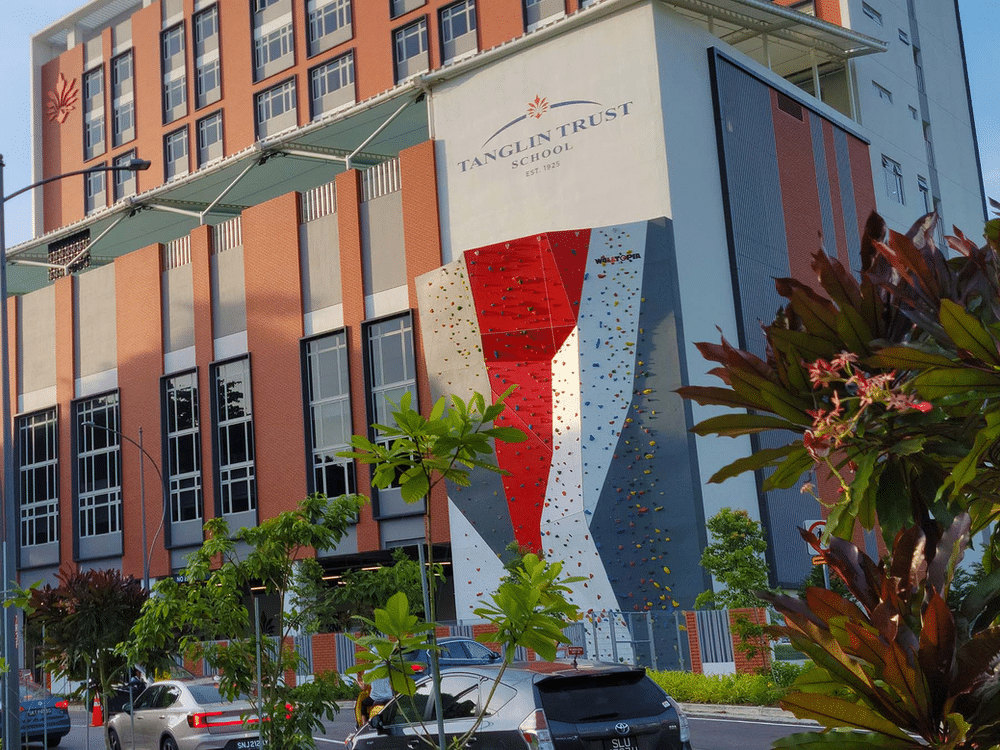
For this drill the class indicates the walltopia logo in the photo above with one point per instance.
(544, 144)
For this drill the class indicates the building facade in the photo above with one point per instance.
(350, 201)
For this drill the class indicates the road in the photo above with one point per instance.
(706, 734)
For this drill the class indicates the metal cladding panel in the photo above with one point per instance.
(382, 243)
(757, 237)
(759, 249)
(847, 200)
(823, 184)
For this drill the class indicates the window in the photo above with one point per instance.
(536, 12)
(925, 194)
(98, 466)
(913, 112)
(94, 196)
(234, 435)
(458, 30)
(183, 447)
(399, 7)
(330, 427)
(893, 175)
(871, 13)
(904, 37)
(208, 74)
(122, 100)
(124, 182)
(331, 85)
(259, 6)
(391, 373)
(411, 50)
(272, 52)
(883, 92)
(175, 154)
(210, 139)
(329, 23)
(276, 109)
(918, 66)
(174, 74)
(38, 466)
(93, 113)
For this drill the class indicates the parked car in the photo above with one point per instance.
(456, 652)
(44, 716)
(539, 706)
(183, 715)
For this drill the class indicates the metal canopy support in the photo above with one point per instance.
(749, 34)
(230, 186)
(174, 210)
(379, 129)
(90, 246)
(815, 71)
(319, 155)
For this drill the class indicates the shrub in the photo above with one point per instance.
(736, 689)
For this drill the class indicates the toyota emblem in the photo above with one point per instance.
(621, 727)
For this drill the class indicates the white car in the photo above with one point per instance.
(184, 715)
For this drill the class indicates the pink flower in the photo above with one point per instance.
(817, 446)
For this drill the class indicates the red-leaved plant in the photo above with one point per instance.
(893, 665)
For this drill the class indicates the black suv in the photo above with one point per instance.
(538, 706)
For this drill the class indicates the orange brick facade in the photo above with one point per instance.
(759, 657)
(274, 329)
(498, 21)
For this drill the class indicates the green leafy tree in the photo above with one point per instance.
(530, 606)
(417, 453)
(735, 558)
(84, 619)
(529, 609)
(360, 592)
(208, 610)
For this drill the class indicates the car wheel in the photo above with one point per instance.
(168, 743)
(113, 742)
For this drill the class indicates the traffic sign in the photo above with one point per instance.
(818, 560)
(816, 528)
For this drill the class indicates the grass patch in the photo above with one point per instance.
(733, 690)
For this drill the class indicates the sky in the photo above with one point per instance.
(22, 18)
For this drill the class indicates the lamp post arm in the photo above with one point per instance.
(136, 165)
(163, 482)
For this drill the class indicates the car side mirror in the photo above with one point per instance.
(378, 723)
(494, 655)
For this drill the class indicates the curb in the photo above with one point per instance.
(746, 713)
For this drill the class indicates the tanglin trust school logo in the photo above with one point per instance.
(553, 127)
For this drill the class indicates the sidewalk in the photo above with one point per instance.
(745, 713)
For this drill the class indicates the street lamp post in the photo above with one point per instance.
(11, 694)
(147, 551)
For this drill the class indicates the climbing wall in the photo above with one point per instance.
(585, 323)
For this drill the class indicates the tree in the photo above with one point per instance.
(528, 609)
(360, 592)
(84, 619)
(209, 611)
(736, 559)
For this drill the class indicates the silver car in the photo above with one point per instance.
(184, 715)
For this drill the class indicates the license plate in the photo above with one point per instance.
(250, 743)
(621, 743)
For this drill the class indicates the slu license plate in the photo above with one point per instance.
(250, 743)
(621, 743)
